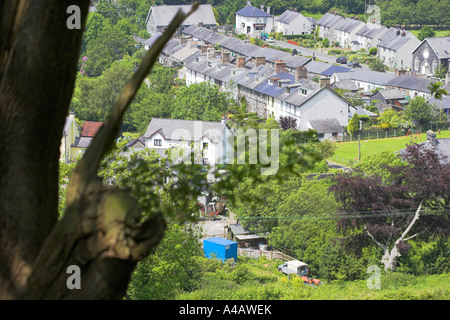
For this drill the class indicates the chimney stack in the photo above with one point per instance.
(403, 33)
(280, 65)
(204, 48)
(301, 73)
(401, 71)
(431, 137)
(260, 60)
(240, 62)
(225, 56)
(324, 82)
(211, 52)
(262, 7)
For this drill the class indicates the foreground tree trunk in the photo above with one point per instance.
(101, 231)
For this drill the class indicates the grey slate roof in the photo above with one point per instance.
(441, 46)
(442, 148)
(150, 41)
(345, 85)
(369, 76)
(370, 30)
(410, 82)
(184, 53)
(176, 129)
(164, 14)
(394, 43)
(288, 16)
(442, 104)
(82, 142)
(348, 25)
(389, 94)
(248, 78)
(326, 126)
(328, 20)
(251, 11)
(247, 49)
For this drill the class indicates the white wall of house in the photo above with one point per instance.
(211, 152)
(246, 25)
(300, 25)
(366, 86)
(401, 58)
(324, 105)
(345, 38)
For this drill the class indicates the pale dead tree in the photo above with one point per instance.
(101, 231)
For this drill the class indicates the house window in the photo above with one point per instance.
(434, 66)
(416, 64)
(157, 142)
(205, 145)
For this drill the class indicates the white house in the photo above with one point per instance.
(304, 100)
(345, 31)
(396, 47)
(292, 22)
(326, 25)
(368, 36)
(71, 132)
(208, 141)
(411, 86)
(253, 21)
(367, 80)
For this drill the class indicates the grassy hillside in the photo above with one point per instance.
(260, 280)
(348, 151)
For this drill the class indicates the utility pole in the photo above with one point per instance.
(359, 140)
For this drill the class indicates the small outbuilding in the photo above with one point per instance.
(220, 248)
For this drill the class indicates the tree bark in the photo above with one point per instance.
(39, 57)
(101, 231)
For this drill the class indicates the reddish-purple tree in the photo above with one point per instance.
(413, 202)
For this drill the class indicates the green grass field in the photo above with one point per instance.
(348, 151)
(439, 33)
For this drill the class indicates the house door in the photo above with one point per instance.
(248, 29)
(426, 70)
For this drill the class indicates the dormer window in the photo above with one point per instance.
(303, 91)
(288, 90)
(271, 81)
(209, 64)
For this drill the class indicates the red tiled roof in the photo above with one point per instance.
(90, 128)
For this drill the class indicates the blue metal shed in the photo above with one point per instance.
(220, 248)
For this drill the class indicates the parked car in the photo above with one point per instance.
(270, 40)
(354, 64)
(342, 60)
(296, 52)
